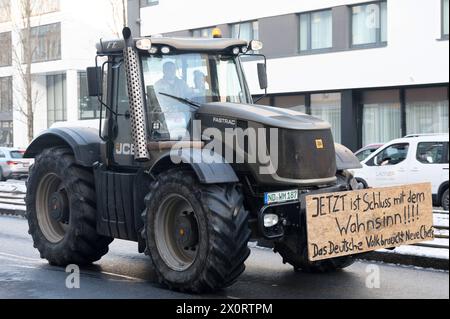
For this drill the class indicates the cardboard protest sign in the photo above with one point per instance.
(348, 223)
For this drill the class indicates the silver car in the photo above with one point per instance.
(12, 164)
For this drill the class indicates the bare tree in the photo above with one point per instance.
(26, 19)
(28, 10)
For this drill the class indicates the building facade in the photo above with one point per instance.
(63, 38)
(375, 70)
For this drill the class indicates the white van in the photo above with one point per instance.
(409, 160)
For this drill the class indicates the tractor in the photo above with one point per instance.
(184, 163)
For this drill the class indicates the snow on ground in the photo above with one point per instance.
(440, 253)
(441, 219)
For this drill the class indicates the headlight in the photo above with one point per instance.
(144, 44)
(271, 220)
(255, 45)
(165, 50)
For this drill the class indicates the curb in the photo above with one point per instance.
(407, 260)
(13, 212)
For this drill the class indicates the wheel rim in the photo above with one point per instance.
(176, 232)
(53, 228)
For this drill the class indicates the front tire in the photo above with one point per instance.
(445, 200)
(61, 208)
(294, 249)
(197, 235)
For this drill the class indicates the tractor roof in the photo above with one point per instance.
(177, 44)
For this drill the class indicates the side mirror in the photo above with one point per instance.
(94, 79)
(262, 76)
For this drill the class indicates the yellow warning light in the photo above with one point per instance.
(216, 33)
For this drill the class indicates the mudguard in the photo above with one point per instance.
(84, 142)
(213, 171)
(345, 159)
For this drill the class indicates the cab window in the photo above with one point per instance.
(392, 155)
(432, 153)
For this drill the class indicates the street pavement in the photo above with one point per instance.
(124, 273)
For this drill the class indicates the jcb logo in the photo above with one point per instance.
(124, 149)
(319, 144)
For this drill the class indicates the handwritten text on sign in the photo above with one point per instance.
(349, 223)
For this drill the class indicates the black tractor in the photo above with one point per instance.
(184, 163)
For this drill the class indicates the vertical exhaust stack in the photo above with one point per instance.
(136, 96)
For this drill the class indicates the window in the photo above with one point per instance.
(392, 155)
(201, 78)
(427, 110)
(6, 133)
(16, 154)
(247, 31)
(6, 51)
(88, 105)
(327, 106)
(46, 42)
(56, 99)
(292, 102)
(369, 24)
(316, 30)
(5, 10)
(148, 3)
(381, 116)
(444, 18)
(365, 154)
(40, 7)
(432, 153)
(6, 95)
(203, 33)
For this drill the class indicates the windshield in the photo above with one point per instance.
(175, 84)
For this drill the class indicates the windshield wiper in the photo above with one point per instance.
(182, 99)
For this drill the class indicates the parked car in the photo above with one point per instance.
(365, 152)
(409, 160)
(12, 164)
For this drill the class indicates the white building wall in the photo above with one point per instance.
(414, 54)
(83, 23)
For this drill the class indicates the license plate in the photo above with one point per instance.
(280, 197)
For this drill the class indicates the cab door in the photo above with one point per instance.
(430, 164)
(388, 167)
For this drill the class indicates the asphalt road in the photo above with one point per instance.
(124, 273)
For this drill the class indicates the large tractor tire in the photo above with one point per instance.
(196, 235)
(61, 210)
(445, 200)
(294, 249)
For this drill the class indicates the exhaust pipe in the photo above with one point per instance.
(136, 96)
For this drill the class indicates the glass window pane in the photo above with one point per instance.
(365, 23)
(427, 111)
(445, 17)
(304, 32)
(321, 30)
(381, 116)
(383, 22)
(56, 98)
(432, 153)
(293, 102)
(327, 107)
(5, 10)
(381, 123)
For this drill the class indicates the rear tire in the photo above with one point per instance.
(207, 250)
(445, 200)
(72, 238)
